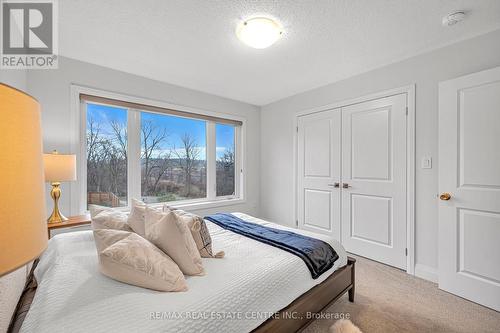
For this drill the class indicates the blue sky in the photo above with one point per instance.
(175, 127)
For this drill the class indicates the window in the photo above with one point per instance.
(106, 155)
(173, 158)
(224, 136)
(157, 155)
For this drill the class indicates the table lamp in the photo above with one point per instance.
(58, 168)
(23, 232)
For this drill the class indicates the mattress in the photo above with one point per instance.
(237, 294)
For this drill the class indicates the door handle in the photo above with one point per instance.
(346, 185)
(445, 196)
(336, 185)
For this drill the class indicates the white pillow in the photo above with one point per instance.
(127, 257)
(172, 236)
(136, 219)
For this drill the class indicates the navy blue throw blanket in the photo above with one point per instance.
(316, 254)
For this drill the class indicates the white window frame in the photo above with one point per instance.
(78, 147)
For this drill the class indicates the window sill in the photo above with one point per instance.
(203, 204)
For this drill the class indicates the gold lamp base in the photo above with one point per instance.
(56, 216)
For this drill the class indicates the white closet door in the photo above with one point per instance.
(318, 170)
(469, 185)
(374, 179)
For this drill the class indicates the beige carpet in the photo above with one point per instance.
(389, 300)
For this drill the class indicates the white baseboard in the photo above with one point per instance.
(426, 272)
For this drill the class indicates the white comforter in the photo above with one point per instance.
(237, 294)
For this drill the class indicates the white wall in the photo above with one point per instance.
(12, 284)
(277, 192)
(52, 89)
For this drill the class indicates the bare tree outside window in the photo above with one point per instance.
(225, 173)
(120, 136)
(187, 156)
(155, 160)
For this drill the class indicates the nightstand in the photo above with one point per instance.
(72, 221)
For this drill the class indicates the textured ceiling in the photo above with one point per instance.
(191, 43)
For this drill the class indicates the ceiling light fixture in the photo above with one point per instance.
(453, 18)
(259, 32)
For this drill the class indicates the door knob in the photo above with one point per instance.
(336, 185)
(445, 196)
(345, 185)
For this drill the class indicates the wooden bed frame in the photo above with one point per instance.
(294, 317)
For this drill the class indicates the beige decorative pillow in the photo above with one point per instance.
(199, 231)
(172, 235)
(137, 217)
(96, 209)
(110, 219)
(127, 257)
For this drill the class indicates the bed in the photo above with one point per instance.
(256, 287)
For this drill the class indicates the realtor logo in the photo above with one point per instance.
(29, 34)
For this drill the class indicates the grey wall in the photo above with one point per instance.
(14, 78)
(277, 199)
(270, 132)
(52, 89)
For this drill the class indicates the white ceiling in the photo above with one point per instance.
(191, 43)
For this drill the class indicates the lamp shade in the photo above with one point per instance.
(23, 231)
(59, 168)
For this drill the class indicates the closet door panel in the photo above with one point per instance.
(374, 179)
(318, 199)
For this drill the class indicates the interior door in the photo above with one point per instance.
(318, 172)
(374, 179)
(469, 185)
